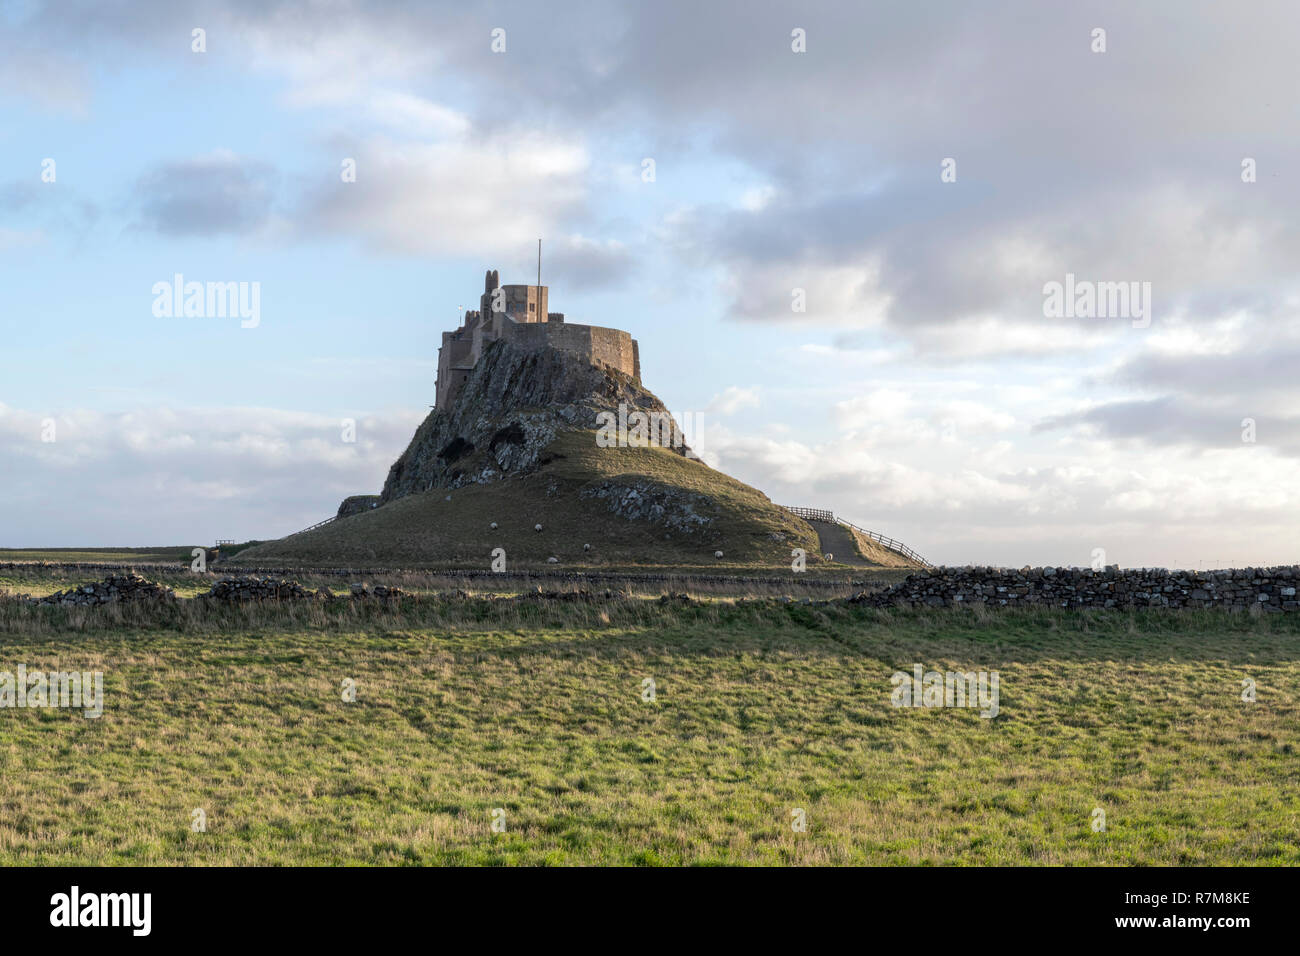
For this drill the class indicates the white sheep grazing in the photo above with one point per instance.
(493, 526)
(537, 527)
(717, 554)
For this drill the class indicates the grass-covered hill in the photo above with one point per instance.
(527, 443)
(682, 512)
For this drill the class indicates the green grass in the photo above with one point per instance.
(533, 707)
(157, 555)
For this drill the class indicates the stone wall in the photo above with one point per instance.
(257, 589)
(612, 348)
(1269, 589)
(616, 349)
(117, 587)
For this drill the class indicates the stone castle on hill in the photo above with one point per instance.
(518, 314)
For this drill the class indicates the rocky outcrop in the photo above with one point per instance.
(673, 508)
(117, 587)
(509, 410)
(1269, 589)
(357, 504)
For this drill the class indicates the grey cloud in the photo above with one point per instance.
(208, 195)
(1269, 374)
(1060, 150)
(580, 266)
(38, 75)
(261, 472)
(34, 203)
(1175, 421)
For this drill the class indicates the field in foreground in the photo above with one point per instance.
(536, 708)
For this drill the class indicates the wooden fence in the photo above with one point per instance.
(893, 544)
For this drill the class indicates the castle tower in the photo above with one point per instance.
(521, 303)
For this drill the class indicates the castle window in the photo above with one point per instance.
(530, 306)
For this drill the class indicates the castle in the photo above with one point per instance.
(517, 314)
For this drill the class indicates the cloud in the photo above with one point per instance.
(46, 208)
(1159, 507)
(31, 73)
(185, 474)
(579, 263)
(467, 198)
(881, 404)
(1260, 375)
(418, 117)
(733, 399)
(1017, 98)
(1193, 425)
(217, 193)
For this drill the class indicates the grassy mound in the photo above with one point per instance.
(875, 553)
(428, 530)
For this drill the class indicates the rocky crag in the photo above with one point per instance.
(511, 408)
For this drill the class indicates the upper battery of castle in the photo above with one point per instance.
(517, 313)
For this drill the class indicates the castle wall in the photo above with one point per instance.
(617, 349)
(612, 347)
(456, 379)
(455, 356)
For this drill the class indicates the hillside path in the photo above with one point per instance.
(838, 540)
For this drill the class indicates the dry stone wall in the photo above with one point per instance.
(238, 589)
(1269, 589)
(116, 587)
(257, 589)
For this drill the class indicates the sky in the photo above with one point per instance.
(832, 228)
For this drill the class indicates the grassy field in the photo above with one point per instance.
(159, 555)
(536, 708)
